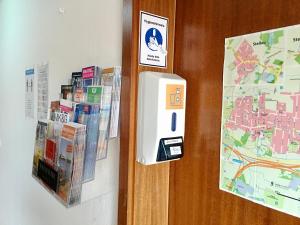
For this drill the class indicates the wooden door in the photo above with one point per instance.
(201, 27)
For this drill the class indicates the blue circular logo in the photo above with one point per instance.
(153, 39)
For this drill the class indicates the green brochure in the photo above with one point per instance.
(94, 94)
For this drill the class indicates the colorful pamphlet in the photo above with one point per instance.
(67, 107)
(90, 72)
(104, 123)
(79, 95)
(50, 152)
(90, 75)
(53, 135)
(54, 107)
(58, 159)
(67, 92)
(70, 162)
(112, 77)
(94, 94)
(40, 142)
(61, 117)
(76, 80)
(88, 114)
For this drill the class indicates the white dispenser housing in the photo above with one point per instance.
(161, 117)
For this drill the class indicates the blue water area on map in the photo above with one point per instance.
(268, 77)
(237, 161)
(244, 188)
(270, 40)
(295, 182)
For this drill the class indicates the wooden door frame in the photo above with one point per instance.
(143, 190)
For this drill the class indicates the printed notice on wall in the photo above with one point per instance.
(29, 93)
(153, 40)
(42, 74)
(260, 145)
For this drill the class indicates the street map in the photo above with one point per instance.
(260, 141)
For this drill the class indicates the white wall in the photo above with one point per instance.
(32, 31)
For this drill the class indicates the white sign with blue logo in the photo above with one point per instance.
(153, 40)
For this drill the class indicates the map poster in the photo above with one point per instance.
(260, 136)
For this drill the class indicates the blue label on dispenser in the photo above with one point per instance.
(174, 120)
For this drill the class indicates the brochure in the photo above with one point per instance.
(88, 114)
